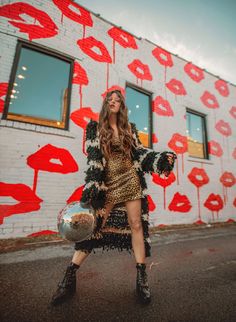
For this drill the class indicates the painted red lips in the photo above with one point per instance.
(76, 195)
(209, 100)
(162, 107)
(180, 203)
(234, 153)
(176, 87)
(45, 27)
(194, 72)
(222, 87)
(87, 45)
(198, 177)
(233, 112)
(178, 143)
(227, 179)
(151, 204)
(44, 157)
(154, 138)
(43, 233)
(234, 202)
(163, 56)
(112, 88)
(80, 115)
(163, 182)
(28, 200)
(223, 127)
(3, 92)
(122, 37)
(83, 18)
(79, 75)
(214, 202)
(215, 148)
(140, 70)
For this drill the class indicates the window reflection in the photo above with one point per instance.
(138, 104)
(40, 89)
(195, 135)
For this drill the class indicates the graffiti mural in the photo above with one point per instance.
(107, 57)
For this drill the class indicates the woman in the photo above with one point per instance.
(116, 188)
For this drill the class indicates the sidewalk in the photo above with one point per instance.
(14, 244)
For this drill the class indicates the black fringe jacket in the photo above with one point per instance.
(116, 232)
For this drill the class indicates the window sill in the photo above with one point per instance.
(36, 128)
(198, 160)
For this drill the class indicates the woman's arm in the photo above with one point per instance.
(151, 161)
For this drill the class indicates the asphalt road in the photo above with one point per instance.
(192, 274)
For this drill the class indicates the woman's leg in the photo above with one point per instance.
(134, 218)
(67, 287)
(79, 257)
(108, 207)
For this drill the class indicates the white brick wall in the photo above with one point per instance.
(19, 140)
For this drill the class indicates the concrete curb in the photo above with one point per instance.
(14, 244)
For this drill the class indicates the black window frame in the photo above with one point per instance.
(150, 118)
(64, 125)
(204, 129)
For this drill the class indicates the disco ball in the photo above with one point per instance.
(75, 223)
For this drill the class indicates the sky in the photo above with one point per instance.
(201, 31)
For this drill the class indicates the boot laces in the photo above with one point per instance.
(68, 278)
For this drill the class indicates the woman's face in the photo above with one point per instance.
(114, 103)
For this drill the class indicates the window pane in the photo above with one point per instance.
(195, 135)
(40, 86)
(138, 105)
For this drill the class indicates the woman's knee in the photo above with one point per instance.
(135, 224)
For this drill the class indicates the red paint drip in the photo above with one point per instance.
(165, 81)
(107, 76)
(84, 29)
(141, 83)
(165, 74)
(164, 189)
(221, 165)
(198, 199)
(182, 156)
(62, 18)
(177, 170)
(227, 143)
(35, 180)
(114, 51)
(225, 194)
(212, 214)
(214, 111)
(80, 95)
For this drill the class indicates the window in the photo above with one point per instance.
(39, 88)
(196, 135)
(138, 103)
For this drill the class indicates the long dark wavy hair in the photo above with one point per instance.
(106, 132)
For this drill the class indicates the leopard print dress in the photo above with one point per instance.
(122, 180)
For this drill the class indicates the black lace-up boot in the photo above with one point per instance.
(67, 287)
(142, 287)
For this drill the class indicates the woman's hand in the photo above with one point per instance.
(171, 158)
